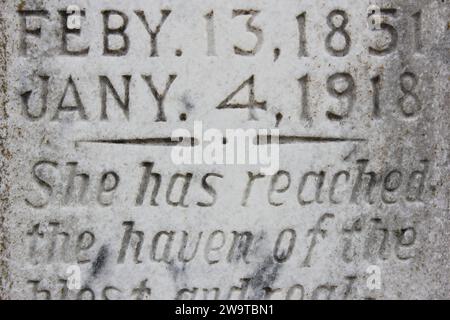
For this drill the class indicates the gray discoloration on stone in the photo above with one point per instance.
(88, 179)
(264, 277)
(100, 261)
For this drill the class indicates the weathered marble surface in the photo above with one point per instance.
(369, 126)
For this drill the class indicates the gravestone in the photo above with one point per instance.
(123, 172)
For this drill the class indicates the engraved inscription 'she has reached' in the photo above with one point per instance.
(294, 149)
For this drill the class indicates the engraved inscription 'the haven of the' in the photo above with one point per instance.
(224, 150)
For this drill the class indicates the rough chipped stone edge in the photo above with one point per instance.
(5, 155)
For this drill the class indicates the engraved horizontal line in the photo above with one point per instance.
(307, 139)
(159, 141)
(189, 141)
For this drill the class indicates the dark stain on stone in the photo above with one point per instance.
(263, 277)
(100, 261)
(187, 103)
(177, 272)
